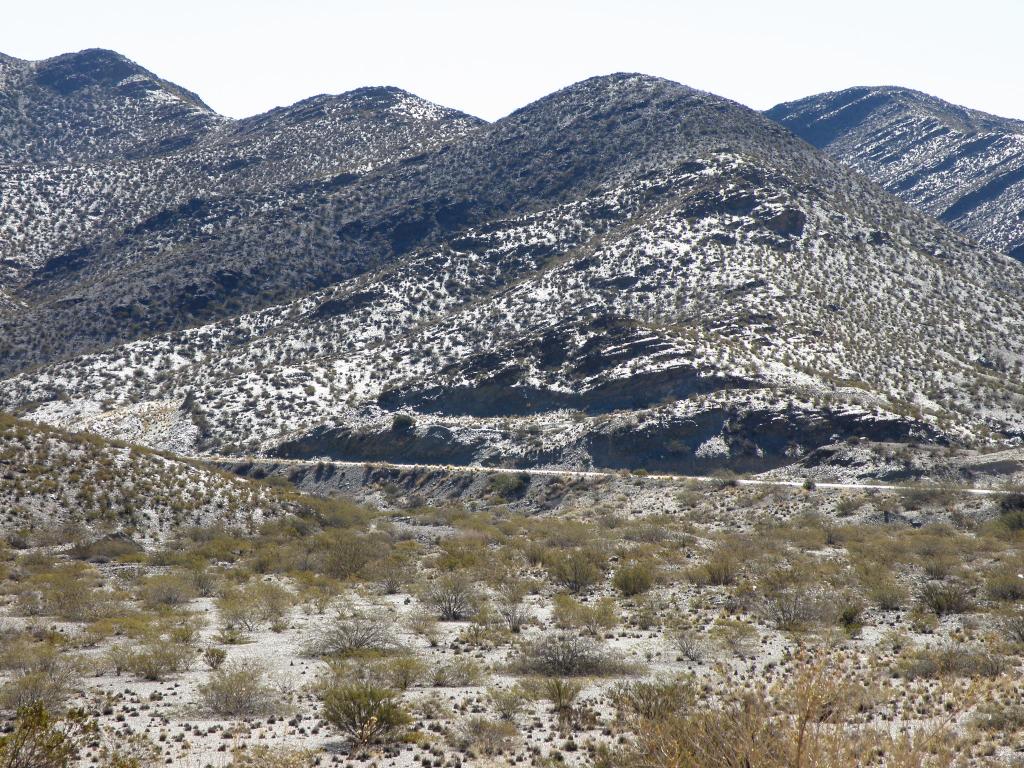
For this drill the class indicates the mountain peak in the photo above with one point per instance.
(825, 117)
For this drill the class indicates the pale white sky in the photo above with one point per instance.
(489, 58)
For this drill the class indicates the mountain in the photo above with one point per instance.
(117, 243)
(626, 273)
(91, 106)
(962, 166)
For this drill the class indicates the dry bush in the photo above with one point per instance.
(167, 589)
(805, 722)
(480, 736)
(510, 607)
(565, 655)
(737, 637)
(652, 700)
(350, 633)
(690, 644)
(261, 756)
(39, 739)
(945, 598)
(256, 604)
(1005, 584)
(951, 661)
(117, 750)
(569, 613)
(509, 703)
(153, 660)
(46, 680)
(634, 578)
(457, 673)
(719, 570)
(452, 595)
(242, 688)
(576, 570)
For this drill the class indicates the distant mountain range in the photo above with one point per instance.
(625, 273)
(962, 166)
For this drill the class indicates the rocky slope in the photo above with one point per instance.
(626, 273)
(53, 483)
(149, 230)
(962, 166)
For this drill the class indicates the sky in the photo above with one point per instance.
(490, 58)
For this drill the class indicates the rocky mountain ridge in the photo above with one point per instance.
(960, 165)
(626, 273)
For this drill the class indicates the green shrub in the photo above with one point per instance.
(40, 740)
(364, 712)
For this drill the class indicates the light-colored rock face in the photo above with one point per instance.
(962, 166)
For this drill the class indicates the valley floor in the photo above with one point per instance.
(635, 620)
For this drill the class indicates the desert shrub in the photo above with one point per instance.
(576, 570)
(563, 695)
(41, 740)
(1011, 626)
(945, 598)
(105, 549)
(950, 661)
(719, 570)
(1005, 584)
(65, 592)
(735, 636)
(118, 750)
(215, 657)
(241, 689)
(392, 573)
(801, 723)
(508, 486)
(452, 595)
(153, 660)
(457, 673)
(884, 591)
(401, 672)
(482, 736)
(47, 681)
(652, 700)
(690, 644)
(634, 578)
(364, 712)
(345, 554)
(565, 655)
(425, 625)
(350, 633)
(402, 422)
(166, 589)
(510, 607)
(999, 717)
(256, 604)
(794, 607)
(569, 613)
(509, 703)
(849, 612)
